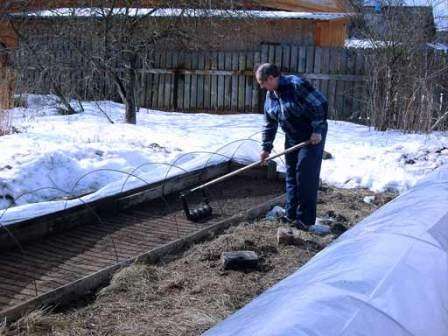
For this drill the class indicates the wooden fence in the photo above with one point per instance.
(223, 82)
(217, 82)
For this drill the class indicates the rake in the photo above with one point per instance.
(205, 211)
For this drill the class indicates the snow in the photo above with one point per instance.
(54, 156)
(363, 43)
(439, 46)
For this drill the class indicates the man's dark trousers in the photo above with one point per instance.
(302, 180)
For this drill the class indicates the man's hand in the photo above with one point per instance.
(315, 138)
(263, 156)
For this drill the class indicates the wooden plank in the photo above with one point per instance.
(325, 65)
(294, 60)
(179, 62)
(271, 54)
(317, 61)
(310, 60)
(264, 53)
(278, 56)
(317, 67)
(286, 56)
(255, 87)
(302, 60)
(168, 82)
(187, 87)
(358, 98)
(350, 88)
(234, 88)
(194, 84)
(214, 83)
(174, 101)
(241, 83)
(339, 85)
(249, 83)
(228, 83)
(155, 82)
(221, 81)
(201, 81)
(207, 81)
(332, 87)
(162, 79)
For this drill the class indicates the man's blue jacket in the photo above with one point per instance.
(299, 108)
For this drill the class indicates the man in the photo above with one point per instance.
(301, 111)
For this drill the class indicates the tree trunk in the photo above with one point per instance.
(131, 98)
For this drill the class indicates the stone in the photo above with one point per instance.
(327, 156)
(237, 260)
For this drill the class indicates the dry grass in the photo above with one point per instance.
(187, 294)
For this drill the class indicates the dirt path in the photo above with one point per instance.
(190, 293)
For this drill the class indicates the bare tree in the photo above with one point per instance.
(406, 78)
(111, 43)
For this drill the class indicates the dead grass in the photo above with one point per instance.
(185, 295)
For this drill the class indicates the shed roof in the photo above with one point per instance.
(170, 12)
(288, 5)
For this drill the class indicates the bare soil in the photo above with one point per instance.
(189, 293)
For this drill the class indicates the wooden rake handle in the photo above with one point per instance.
(252, 165)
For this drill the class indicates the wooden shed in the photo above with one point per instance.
(312, 23)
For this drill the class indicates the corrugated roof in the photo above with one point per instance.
(87, 12)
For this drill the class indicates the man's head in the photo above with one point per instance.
(267, 76)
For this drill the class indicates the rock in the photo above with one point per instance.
(239, 260)
(368, 199)
(341, 218)
(331, 214)
(275, 213)
(338, 229)
(327, 156)
(290, 236)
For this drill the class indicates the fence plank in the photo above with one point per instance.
(286, 55)
(249, 83)
(264, 53)
(294, 62)
(302, 60)
(201, 81)
(256, 90)
(325, 68)
(155, 83)
(221, 81)
(162, 81)
(168, 82)
(241, 82)
(188, 80)
(271, 55)
(214, 83)
(228, 83)
(310, 60)
(194, 83)
(207, 82)
(234, 88)
(278, 56)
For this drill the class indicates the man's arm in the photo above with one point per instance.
(268, 134)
